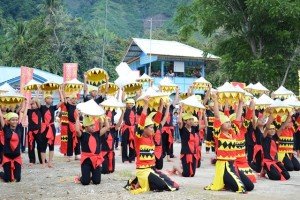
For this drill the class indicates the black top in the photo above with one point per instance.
(185, 139)
(107, 140)
(8, 132)
(269, 146)
(51, 109)
(258, 135)
(129, 116)
(249, 137)
(71, 112)
(34, 119)
(112, 115)
(98, 100)
(84, 141)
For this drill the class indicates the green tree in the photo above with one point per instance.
(259, 39)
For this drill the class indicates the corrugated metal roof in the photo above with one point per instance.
(164, 48)
(13, 73)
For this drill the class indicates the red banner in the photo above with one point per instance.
(70, 71)
(26, 76)
(242, 85)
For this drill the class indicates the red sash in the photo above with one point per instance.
(96, 159)
(158, 152)
(189, 160)
(269, 163)
(49, 134)
(12, 164)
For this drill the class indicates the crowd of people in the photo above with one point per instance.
(246, 141)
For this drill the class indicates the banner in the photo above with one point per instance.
(26, 76)
(242, 85)
(70, 71)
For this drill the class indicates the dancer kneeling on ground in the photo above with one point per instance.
(91, 157)
(226, 174)
(147, 177)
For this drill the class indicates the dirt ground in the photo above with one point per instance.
(57, 183)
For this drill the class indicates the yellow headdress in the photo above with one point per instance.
(11, 115)
(87, 121)
(187, 116)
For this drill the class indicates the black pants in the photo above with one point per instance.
(125, 143)
(7, 172)
(116, 139)
(291, 163)
(86, 171)
(274, 174)
(250, 151)
(210, 144)
(161, 182)
(188, 170)
(1, 152)
(31, 150)
(234, 178)
(256, 164)
(167, 147)
(159, 162)
(70, 150)
(105, 164)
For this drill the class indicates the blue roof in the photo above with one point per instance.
(11, 75)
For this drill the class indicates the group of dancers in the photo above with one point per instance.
(246, 142)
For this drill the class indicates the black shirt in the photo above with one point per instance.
(185, 138)
(129, 116)
(84, 141)
(267, 143)
(51, 109)
(7, 150)
(107, 138)
(169, 121)
(34, 119)
(71, 112)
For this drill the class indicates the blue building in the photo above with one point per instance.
(160, 58)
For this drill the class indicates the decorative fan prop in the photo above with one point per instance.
(32, 85)
(11, 99)
(112, 104)
(230, 94)
(192, 104)
(263, 102)
(111, 90)
(166, 85)
(73, 85)
(96, 76)
(91, 108)
(154, 98)
(201, 84)
(282, 93)
(49, 86)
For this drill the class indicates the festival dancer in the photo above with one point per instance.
(11, 139)
(271, 166)
(296, 121)
(200, 124)
(34, 130)
(147, 177)
(48, 131)
(107, 144)
(128, 129)
(91, 157)
(168, 130)
(226, 174)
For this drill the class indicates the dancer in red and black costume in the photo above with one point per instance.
(73, 145)
(271, 166)
(107, 143)
(11, 139)
(296, 121)
(147, 177)
(97, 97)
(168, 130)
(34, 130)
(259, 123)
(91, 157)
(48, 131)
(128, 130)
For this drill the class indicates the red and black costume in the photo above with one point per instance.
(209, 141)
(158, 151)
(188, 152)
(147, 177)
(168, 133)
(64, 121)
(128, 131)
(34, 131)
(107, 151)
(296, 122)
(12, 159)
(48, 131)
(275, 169)
(73, 146)
(257, 160)
(91, 158)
